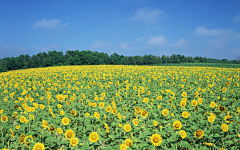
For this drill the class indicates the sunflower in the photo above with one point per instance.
(96, 115)
(108, 109)
(119, 116)
(212, 104)
(137, 109)
(114, 111)
(123, 147)
(200, 101)
(177, 125)
(128, 142)
(224, 127)
(127, 127)
(185, 114)
(208, 144)
(183, 134)
(65, 121)
(4, 118)
(145, 100)
(184, 94)
(101, 105)
(74, 141)
(194, 103)
(22, 119)
(73, 112)
(51, 128)
(38, 146)
(93, 137)
(211, 119)
(155, 123)
(59, 130)
(221, 108)
(183, 103)
(165, 112)
(156, 139)
(69, 134)
(224, 89)
(28, 139)
(135, 122)
(144, 113)
(199, 134)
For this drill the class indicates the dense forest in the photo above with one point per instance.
(57, 58)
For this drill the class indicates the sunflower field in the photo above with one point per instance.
(120, 107)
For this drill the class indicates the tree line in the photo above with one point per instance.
(76, 57)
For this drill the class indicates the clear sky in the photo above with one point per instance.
(208, 28)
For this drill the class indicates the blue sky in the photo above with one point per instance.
(129, 27)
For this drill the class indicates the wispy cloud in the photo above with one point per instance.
(202, 30)
(237, 18)
(149, 15)
(100, 44)
(51, 47)
(180, 43)
(219, 37)
(157, 40)
(49, 24)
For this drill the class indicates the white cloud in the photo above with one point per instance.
(202, 30)
(182, 42)
(157, 40)
(148, 15)
(100, 44)
(41, 48)
(237, 18)
(49, 24)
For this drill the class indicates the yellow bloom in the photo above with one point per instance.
(73, 112)
(135, 122)
(183, 134)
(177, 125)
(108, 109)
(199, 134)
(96, 115)
(184, 94)
(211, 119)
(123, 147)
(69, 134)
(155, 123)
(156, 139)
(224, 127)
(209, 144)
(4, 118)
(59, 130)
(38, 146)
(65, 121)
(165, 112)
(127, 127)
(185, 114)
(101, 105)
(73, 141)
(144, 113)
(194, 103)
(93, 137)
(22, 119)
(212, 104)
(128, 142)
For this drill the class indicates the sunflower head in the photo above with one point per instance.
(177, 125)
(38, 146)
(4, 118)
(185, 114)
(221, 108)
(128, 142)
(69, 134)
(211, 119)
(224, 127)
(144, 113)
(74, 141)
(183, 134)
(199, 134)
(135, 122)
(73, 112)
(65, 121)
(183, 103)
(127, 127)
(194, 103)
(156, 139)
(93, 137)
(165, 112)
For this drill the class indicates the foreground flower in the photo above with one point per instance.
(38, 146)
(177, 125)
(69, 134)
(123, 147)
(65, 121)
(127, 127)
(156, 139)
(211, 118)
(128, 142)
(73, 141)
(165, 112)
(183, 134)
(224, 127)
(199, 134)
(93, 137)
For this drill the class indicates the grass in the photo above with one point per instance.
(222, 65)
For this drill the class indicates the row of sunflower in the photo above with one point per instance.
(120, 107)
